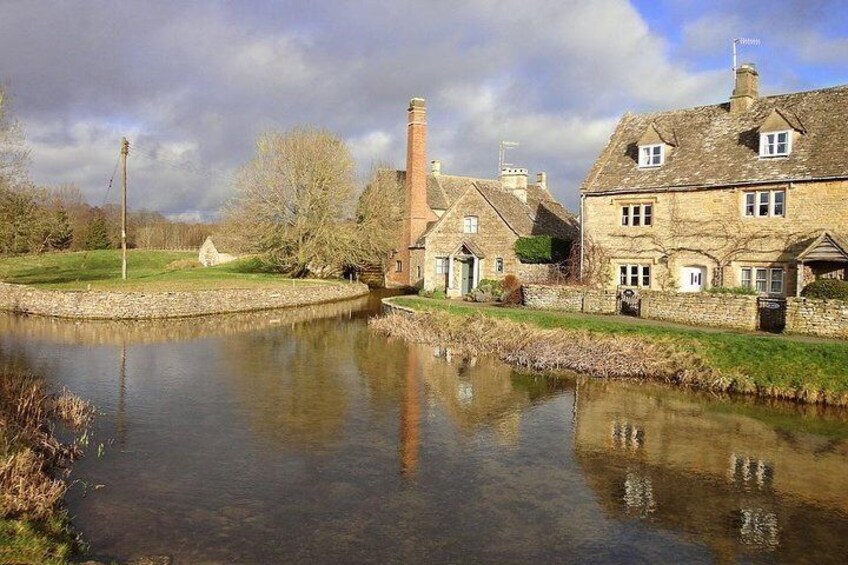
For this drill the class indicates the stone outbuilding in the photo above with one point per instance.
(459, 230)
(215, 252)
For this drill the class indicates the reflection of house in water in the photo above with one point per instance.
(728, 480)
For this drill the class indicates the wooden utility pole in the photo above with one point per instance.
(125, 150)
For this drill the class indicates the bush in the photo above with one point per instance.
(738, 290)
(491, 286)
(423, 293)
(511, 290)
(826, 288)
(439, 294)
(542, 249)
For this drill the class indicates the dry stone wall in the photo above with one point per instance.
(826, 318)
(99, 305)
(702, 309)
(569, 299)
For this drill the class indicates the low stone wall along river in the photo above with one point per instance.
(103, 305)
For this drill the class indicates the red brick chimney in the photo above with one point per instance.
(418, 212)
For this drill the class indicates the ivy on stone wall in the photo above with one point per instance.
(542, 249)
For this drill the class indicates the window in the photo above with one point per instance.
(441, 265)
(636, 215)
(398, 266)
(469, 224)
(634, 275)
(499, 265)
(764, 280)
(418, 271)
(765, 203)
(775, 144)
(650, 155)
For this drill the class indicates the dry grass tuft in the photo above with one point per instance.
(183, 265)
(553, 349)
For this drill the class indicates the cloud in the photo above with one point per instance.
(193, 83)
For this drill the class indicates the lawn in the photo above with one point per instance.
(147, 271)
(770, 361)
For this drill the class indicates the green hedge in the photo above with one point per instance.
(826, 288)
(542, 249)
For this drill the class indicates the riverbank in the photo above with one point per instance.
(805, 370)
(34, 465)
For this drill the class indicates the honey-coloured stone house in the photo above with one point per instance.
(750, 192)
(460, 230)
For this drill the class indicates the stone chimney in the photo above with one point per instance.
(746, 89)
(435, 167)
(542, 180)
(515, 180)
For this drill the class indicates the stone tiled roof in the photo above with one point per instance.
(714, 147)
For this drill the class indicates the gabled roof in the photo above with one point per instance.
(826, 247)
(716, 147)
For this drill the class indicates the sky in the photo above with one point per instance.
(193, 84)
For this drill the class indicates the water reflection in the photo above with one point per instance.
(716, 471)
(302, 437)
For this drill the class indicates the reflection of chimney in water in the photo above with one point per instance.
(410, 417)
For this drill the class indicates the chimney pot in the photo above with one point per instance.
(746, 89)
(542, 180)
(436, 167)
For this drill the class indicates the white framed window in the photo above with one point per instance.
(765, 280)
(418, 271)
(637, 215)
(765, 204)
(651, 155)
(469, 224)
(775, 144)
(638, 276)
(441, 265)
(499, 265)
(398, 266)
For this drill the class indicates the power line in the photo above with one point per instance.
(153, 155)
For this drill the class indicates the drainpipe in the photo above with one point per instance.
(582, 233)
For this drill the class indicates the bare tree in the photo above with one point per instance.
(379, 215)
(294, 202)
(14, 155)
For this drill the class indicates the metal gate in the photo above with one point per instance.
(629, 303)
(772, 314)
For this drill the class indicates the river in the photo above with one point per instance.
(299, 436)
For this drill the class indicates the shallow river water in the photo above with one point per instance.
(298, 436)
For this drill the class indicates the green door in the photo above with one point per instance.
(467, 274)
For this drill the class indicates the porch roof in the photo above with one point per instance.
(826, 247)
(471, 247)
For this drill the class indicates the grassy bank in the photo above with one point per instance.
(147, 271)
(34, 527)
(807, 370)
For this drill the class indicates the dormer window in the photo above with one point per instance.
(775, 144)
(651, 155)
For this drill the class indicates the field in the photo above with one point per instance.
(147, 271)
(778, 363)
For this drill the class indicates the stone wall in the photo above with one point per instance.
(569, 299)
(826, 318)
(156, 305)
(701, 309)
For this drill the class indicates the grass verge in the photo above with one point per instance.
(34, 527)
(147, 271)
(806, 370)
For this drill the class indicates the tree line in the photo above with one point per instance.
(37, 219)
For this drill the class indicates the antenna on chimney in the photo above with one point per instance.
(742, 41)
(502, 154)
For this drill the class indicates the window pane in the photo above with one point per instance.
(622, 275)
(634, 275)
(657, 155)
(777, 281)
(637, 215)
(762, 280)
(750, 203)
(646, 276)
(625, 215)
(764, 204)
(648, 214)
(746, 277)
(779, 196)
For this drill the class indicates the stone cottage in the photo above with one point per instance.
(210, 254)
(460, 230)
(752, 192)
